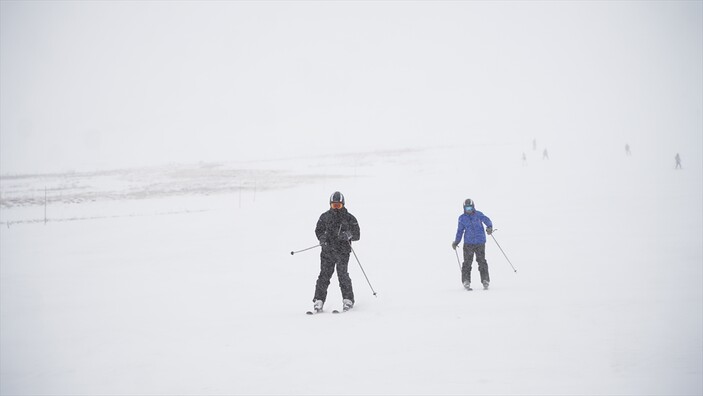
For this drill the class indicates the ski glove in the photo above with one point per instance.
(345, 236)
(489, 230)
(454, 245)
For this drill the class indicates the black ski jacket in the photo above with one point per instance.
(331, 226)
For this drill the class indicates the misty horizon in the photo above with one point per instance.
(103, 85)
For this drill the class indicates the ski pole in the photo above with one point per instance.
(457, 258)
(362, 270)
(298, 251)
(501, 250)
(461, 269)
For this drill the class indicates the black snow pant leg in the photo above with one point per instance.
(466, 265)
(345, 283)
(327, 264)
(482, 263)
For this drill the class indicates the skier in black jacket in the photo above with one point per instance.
(335, 230)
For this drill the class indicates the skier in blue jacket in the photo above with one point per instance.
(471, 229)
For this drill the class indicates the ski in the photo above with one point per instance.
(313, 312)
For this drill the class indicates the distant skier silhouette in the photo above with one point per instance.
(524, 159)
(678, 162)
(627, 150)
(545, 155)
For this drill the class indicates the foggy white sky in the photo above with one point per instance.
(86, 85)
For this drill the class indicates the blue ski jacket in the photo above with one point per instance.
(471, 228)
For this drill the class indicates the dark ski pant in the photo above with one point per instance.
(480, 251)
(329, 259)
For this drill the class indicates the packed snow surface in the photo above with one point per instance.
(179, 280)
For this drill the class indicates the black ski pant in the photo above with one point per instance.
(329, 259)
(480, 250)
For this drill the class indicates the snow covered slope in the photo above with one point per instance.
(197, 293)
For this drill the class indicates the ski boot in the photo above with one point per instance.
(485, 285)
(347, 305)
(317, 307)
(467, 285)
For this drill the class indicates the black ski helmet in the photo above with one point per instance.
(337, 197)
(469, 202)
